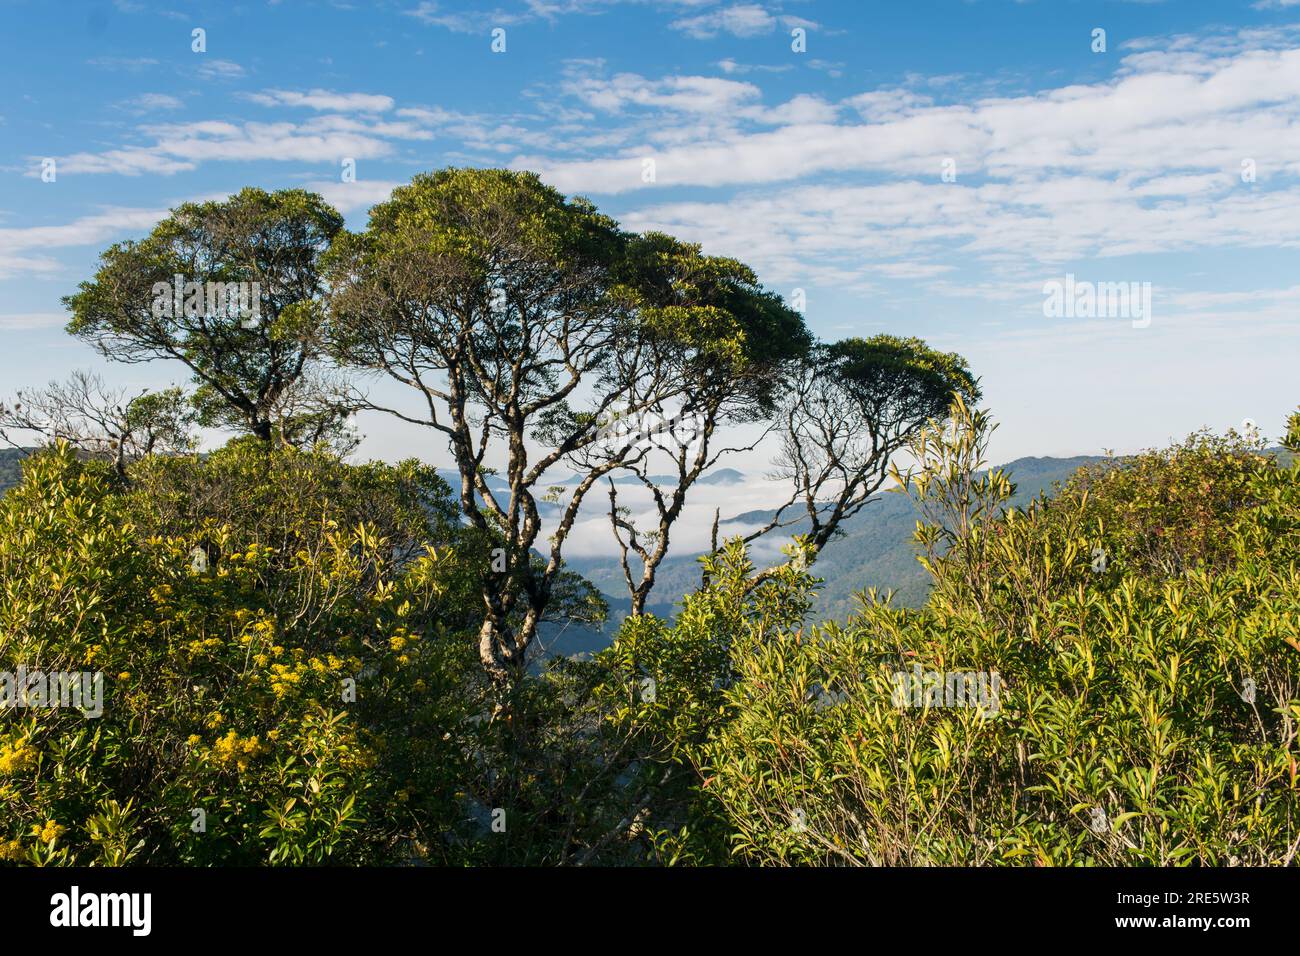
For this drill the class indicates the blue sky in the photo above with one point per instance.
(822, 168)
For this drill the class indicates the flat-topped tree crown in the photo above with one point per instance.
(899, 381)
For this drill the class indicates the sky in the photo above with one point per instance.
(925, 168)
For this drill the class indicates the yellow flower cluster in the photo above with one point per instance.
(199, 647)
(402, 638)
(251, 555)
(261, 629)
(12, 851)
(233, 749)
(287, 677)
(17, 756)
(48, 833)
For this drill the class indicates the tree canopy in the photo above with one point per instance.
(233, 290)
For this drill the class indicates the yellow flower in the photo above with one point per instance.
(231, 749)
(124, 675)
(194, 740)
(51, 832)
(11, 850)
(16, 756)
(397, 643)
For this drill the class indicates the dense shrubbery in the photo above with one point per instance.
(1150, 702)
(1142, 622)
(227, 689)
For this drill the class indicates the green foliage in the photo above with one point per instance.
(309, 662)
(889, 375)
(227, 688)
(665, 695)
(259, 378)
(722, 331)
(457, 240)
(1164, 512)
(1148, 708)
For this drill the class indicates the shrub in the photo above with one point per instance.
(1148, 713)
(228, 689)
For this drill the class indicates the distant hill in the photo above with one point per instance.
(11, 467)
(877, 548)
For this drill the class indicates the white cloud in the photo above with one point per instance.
(325, 100)
(16, 244)
(1153, 121)
(220, 69)
(740, 20)
(150, 102)
(124, 63)
(431, 13)
(804, 109)
(1149, 161)
(181, 146)
(687, 94)
(482, 20)
(24, 321)
(729, 66)
(353, 196)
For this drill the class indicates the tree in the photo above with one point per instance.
(848, 410)
(233, 290)
(524, 324)
(86, 414)
(732, 343)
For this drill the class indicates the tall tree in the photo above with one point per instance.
(232, 289)
(732, 344)
(525, 322)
